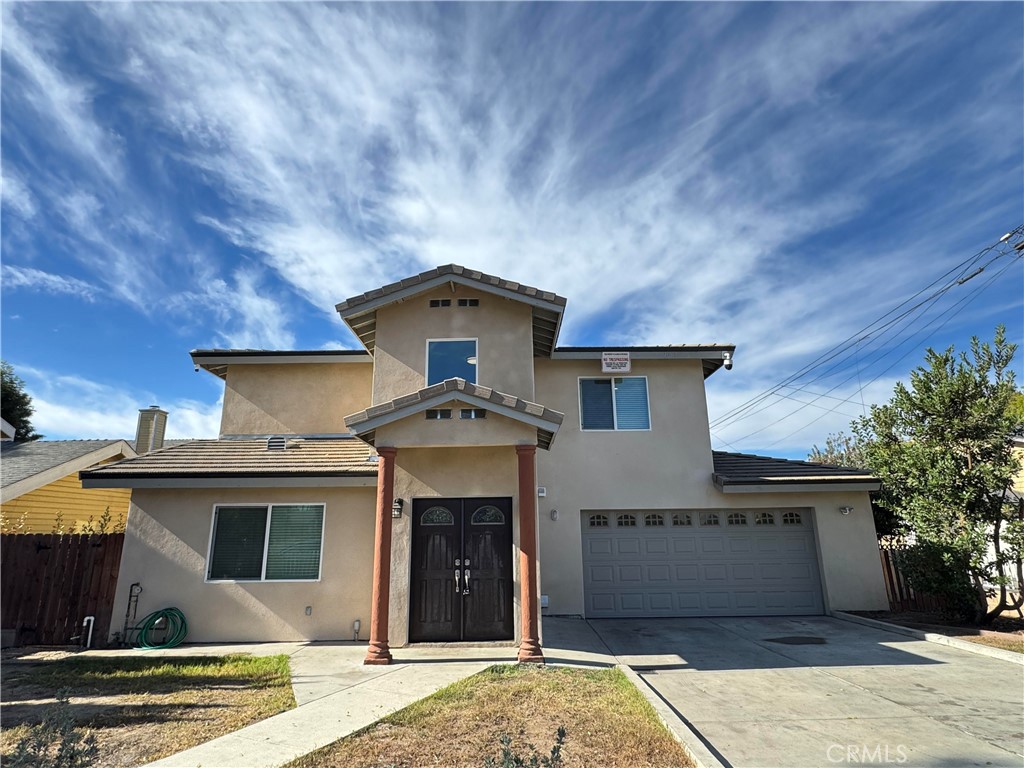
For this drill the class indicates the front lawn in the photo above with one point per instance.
(1005, 641)
(143, 708)
(1006, 632)
(608, 723)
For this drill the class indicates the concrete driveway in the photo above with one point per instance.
(817, 691)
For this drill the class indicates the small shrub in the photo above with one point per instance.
(55, 742)
(943, 572)
(509, 759)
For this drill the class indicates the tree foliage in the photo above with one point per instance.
(843, 450)
(942, 448)
(16, 404)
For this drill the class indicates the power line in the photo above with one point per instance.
(874, 333)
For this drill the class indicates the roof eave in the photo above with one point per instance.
(795, 485)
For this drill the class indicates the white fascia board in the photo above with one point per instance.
(204, 361)
(74, 466)
(463, 397)
(435, 282)
(366, 481)
(668, 354)
(788, 487)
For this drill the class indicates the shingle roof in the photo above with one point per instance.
(303, 457)
(360, 312)
(747, 469)
(547, 421)
(19, 461)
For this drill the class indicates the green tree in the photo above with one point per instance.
(942, 448)
(16, 404)
(843, 450)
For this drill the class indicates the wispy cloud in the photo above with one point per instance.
(753, 173)
(36, 280)
(68, 406)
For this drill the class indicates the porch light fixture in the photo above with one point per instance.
(845, 510)
(396, 508)
(554, 514)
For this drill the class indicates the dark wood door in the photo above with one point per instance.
(461, 570)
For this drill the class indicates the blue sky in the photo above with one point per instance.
(772, 175)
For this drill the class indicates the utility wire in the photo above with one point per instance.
(874, 332)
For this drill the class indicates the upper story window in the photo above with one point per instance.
(615, 403)
(451, 358)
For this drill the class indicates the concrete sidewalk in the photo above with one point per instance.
(336, 695)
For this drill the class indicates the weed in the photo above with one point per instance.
(509, 759)
(55, 742)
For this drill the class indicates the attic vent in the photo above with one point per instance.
(441, 302)
(435, 414)
(277, 443)
(469, 302)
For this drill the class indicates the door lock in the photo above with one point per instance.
(458, 573)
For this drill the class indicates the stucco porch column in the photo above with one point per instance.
(378, 652)
(529, 646)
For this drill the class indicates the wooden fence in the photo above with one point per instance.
(901, 596)
(49, 583)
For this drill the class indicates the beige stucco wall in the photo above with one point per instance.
(295, 398)
(446, 472)
(416, 431)
(503, 328)
(166, 545)
(670, 468)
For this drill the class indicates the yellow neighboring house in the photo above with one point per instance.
(39, 487)
(1018, 450)
(41, 490)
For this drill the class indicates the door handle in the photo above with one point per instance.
(465, 590)
(457, 574)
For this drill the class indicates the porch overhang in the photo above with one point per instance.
(747, 473)
(546, 421)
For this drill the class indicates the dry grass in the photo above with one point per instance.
(609, 724)
(141, 709)
(1004, 641)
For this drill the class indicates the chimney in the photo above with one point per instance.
(150, 434)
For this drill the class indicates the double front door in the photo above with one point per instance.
(461, 570)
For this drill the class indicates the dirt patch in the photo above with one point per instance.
(608, 724)
(142, 709)
(1005, 632)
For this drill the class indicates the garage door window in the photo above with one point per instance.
(765, 518)
(654, 520)
(682, 519)
(614, 404)
(792, 518)
(737, 518)
(598, 521)
(627, 521)
(709, 518)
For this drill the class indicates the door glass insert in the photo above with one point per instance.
(488, 515)
(626, 521)
(437, 516)
(654, 520)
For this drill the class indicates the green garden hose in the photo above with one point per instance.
(174, 623)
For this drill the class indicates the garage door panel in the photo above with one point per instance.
(671, 570)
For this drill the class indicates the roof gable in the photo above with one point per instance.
(28, 466)
(360, 312)
(365, 423)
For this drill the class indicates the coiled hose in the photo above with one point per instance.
(175, 625)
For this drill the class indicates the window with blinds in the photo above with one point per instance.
(614, 404)
(281, 542)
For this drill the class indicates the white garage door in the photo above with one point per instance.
(700, 563)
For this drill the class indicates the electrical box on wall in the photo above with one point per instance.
(543, 601)
(542, 491)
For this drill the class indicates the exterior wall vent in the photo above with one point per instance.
(277, 443)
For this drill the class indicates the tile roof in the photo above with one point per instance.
(303, 457)
(747, 469)
(360, 312)
(354, 302)
(19, 461)
(547, 421)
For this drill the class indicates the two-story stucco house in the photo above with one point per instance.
(462, 473)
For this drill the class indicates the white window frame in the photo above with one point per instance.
(269, 506)
(426, 358)
(615, 413)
